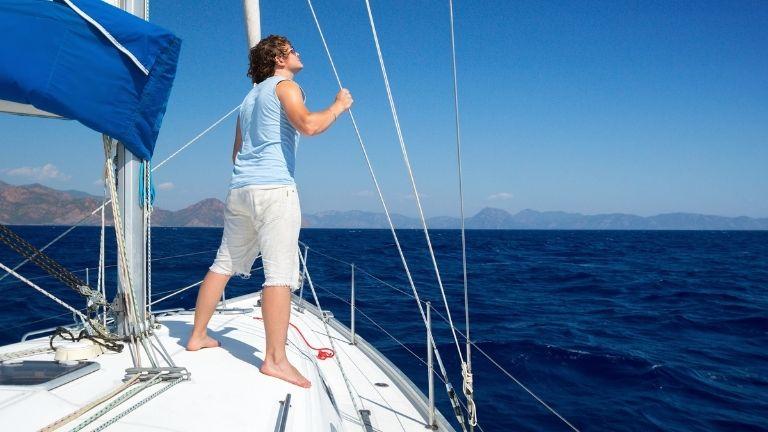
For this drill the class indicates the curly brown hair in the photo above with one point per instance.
(262, 57)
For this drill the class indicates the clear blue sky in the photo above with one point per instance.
(640, 107)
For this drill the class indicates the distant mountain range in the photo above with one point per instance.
(36, 204)
(492, 218)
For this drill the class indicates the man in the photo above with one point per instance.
(262, 210)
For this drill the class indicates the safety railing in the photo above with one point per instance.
(354, 312)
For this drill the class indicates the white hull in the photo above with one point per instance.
(227, 391)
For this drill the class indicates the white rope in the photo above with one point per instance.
(79, 412)
(123, 395)
(25, 353)
(359, 269)
(44, 292)
(138, 404)
(59, 237)
(101, 207)
(449, 388)
(343, 300)
(181, 290)
(40, 320)
(115, 265)
(338, 297)
(526, 389)
(148, 226)
(109, 37)
(381, 198)
(183, 255)
(404, 152)
(466, 368)
(552, 410)
(177, 292)
(101, 283)
(330, 339)
(196, 138)
(123, 271)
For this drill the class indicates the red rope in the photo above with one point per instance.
(322, 353)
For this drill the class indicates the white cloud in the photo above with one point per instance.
(412, 197)
(499, 196)
(166, 186)
(45, 172)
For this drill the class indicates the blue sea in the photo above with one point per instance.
(616, 330)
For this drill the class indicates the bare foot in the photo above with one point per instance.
(196, 343)
(286, 372)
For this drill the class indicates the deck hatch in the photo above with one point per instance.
(41, 375)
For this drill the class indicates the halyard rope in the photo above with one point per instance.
(117, 401)
(45, 262)
(133, 407)
(404, 152)
(395, 339)
(101, 282)
(148, 198)
(466, 367)
(449, 387)
(75, 414)
(190, 142)
(25, 353)
(123, 272)
(59, 237)
(44, 292)
(330, 339)
(437, 312)
(101, 207)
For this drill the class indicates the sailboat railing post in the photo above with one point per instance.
(430, 370)
(352, 307)
(300, 306)
(87, 277)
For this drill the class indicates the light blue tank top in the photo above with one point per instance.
(268, 154)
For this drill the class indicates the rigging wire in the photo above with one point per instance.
(466, 368)
(330, 341)
(107, 202)
(407, 162)
(449, 387)
(443, 317)
(394, 338)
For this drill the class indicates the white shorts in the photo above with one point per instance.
(261, 220)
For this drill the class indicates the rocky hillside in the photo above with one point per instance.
(36, 204)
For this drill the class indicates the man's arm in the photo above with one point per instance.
(306, 122)
(238, 141)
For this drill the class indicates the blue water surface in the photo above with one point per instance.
(616, 330)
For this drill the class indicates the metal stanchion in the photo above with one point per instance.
(352, 308)
(430, 368)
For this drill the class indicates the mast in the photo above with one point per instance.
(128, 174)
(252, 22)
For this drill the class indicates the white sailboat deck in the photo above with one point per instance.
(227, 391)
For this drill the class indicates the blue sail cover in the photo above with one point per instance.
(89, 61)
